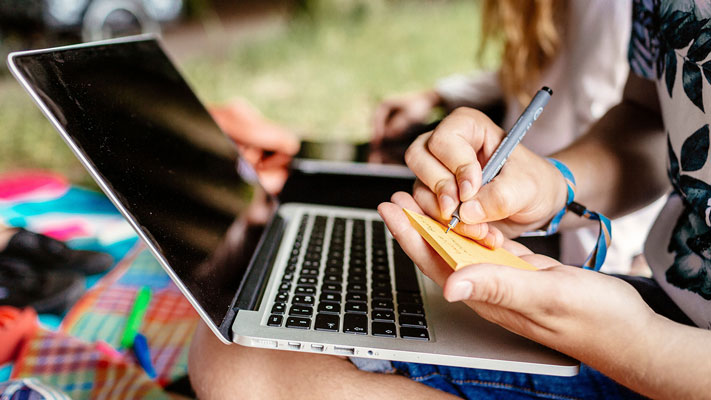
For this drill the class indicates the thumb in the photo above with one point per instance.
(498, 285)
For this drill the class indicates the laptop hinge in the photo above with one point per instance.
(251, 290)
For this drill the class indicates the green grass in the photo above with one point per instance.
(321, 76)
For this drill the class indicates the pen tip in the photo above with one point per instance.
(447, 231)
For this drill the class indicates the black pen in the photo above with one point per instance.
(507, 145)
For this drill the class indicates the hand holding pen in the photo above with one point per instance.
(448, 165)
(507, 145)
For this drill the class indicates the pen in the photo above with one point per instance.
(143, 355)
(507, 145)
(140, 306)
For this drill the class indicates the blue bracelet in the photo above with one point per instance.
(598, 254)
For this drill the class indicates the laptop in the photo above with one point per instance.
(293, 276)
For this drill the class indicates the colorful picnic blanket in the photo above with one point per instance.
(70, 358)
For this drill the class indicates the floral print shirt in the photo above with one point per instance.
(671, 44)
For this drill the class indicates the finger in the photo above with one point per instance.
(503, 197)
(428, 202)
(275, 160)
(426, 258)
(380, 120)
(460, 142)
(501, 286)
(433, 174)
(396, 124)
(493, 239)
(516, 248)
(539, 260)
(405, 200)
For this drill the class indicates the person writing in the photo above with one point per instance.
(576, 47)
(654, 341)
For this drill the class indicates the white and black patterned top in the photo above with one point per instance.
(671, 44)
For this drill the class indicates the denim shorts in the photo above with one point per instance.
(471, 383)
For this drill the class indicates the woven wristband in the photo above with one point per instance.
(604, 238)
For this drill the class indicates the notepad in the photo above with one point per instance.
(459, 251)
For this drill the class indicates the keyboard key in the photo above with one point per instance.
(382, 304)
(302, 311)
(356, 307)
(331, 278)
(327, 322)
(305, 290)
(281, 297)
(288, 277)
(405, 275)
(278, 308)
(381, 268)
(334, 268)
(331, 296)
(329, 307)
(384, 329)
(356, 296)
(380, 285)
(413, 333)
(356, 270)
(408, 297)
(308, 280)
(380, 277)
(298, 322)
(331, 287)
(309, 272)
(356, 278)
(412, 320)
(275, 320)
(383, 315)
(356, 287)
(285, 286)
(355, 323)
(303, 300)
(410, 309)
(382, 294)
(357, 261)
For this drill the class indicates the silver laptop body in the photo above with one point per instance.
(299, 277)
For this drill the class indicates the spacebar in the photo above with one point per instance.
(405, 274)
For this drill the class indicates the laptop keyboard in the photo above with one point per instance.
(341, 280)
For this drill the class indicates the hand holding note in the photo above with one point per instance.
(459, 251)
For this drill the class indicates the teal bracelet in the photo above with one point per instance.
(599, 252)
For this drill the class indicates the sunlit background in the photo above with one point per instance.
(318, 67)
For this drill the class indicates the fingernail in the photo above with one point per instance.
(466, 190)
(490, 241)
(446, 204)
(474, 211)
(462, 291)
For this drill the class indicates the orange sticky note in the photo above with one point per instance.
(459, 251)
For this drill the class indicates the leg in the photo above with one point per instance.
(6, 233)
(219, 371)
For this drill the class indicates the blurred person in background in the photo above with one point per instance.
(577, 48)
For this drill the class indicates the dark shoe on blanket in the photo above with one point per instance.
(51, 254)
(22, 285)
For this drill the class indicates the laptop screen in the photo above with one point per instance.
(133, 117)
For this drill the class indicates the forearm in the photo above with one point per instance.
(664, 360)
(620, 164)
(478, 90)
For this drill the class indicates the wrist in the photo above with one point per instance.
(558, 192)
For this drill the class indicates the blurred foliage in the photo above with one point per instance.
(322, 74)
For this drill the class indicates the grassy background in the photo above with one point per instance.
(321, 74)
